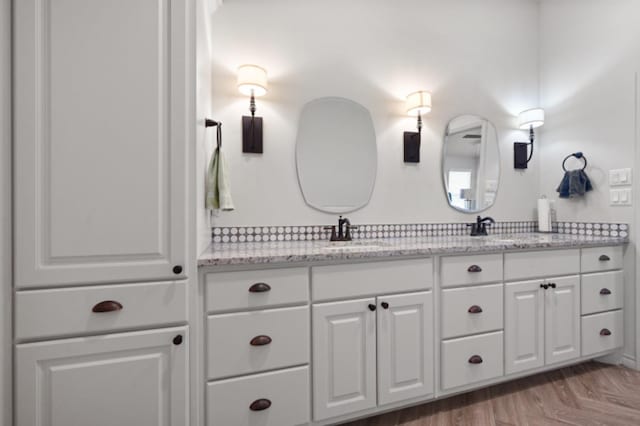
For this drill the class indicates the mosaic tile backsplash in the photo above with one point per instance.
(317, 232)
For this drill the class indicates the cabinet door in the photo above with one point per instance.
(344, 357)
(562, 319)
(405, 346)
(524, 326)
(129, 379)
(102, 121)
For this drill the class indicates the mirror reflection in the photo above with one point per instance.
(471, 163)
(336, 155)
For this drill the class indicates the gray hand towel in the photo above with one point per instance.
(575, 183)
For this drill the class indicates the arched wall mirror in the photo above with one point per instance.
(336, 155)
(471, 163)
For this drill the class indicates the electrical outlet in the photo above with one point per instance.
(620, 177)
(620, 197)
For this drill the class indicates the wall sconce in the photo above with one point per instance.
(252, 81)
(529, 119)
(418, 103)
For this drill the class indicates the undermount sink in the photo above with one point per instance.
(353, 245)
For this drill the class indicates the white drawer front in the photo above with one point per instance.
(602, 292)
(602, 332)
(371, 278)
(66, 311)
(229, 401)
(471, 310)
(459, 363)
(284, 341)
(534, 264)
(596, 259)
(228, 291)
(468, 270)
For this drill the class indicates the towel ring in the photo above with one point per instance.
(579, 156)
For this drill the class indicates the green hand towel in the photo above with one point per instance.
(218, 195)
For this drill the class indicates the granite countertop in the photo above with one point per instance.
(220, 254)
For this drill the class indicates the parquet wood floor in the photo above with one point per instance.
(589, 394)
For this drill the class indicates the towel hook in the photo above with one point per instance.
(211, 123)
(578, 155)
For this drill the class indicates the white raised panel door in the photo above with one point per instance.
(562, 319)
(405, 346)
(524, 326)
(344, 357)
(129, 379)
(102, 124)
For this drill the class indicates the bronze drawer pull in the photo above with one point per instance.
(107, 306)
(475, 359)
(260, 404)
(605, 291)
(474, 268)
(260, 340)
(604, 258)
(475, 309)
(605, 332)
(259, 288)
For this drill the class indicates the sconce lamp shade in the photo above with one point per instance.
(531, 118)
(252, 80)
(419, 103)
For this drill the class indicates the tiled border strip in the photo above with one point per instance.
(592, 228)
(316, 232)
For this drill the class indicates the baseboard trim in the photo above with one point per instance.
(629, 362)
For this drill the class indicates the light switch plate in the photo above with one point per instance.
(620, 177)
(620, 197)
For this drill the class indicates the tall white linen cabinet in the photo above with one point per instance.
(104, 118)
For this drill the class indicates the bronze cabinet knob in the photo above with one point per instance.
(107, 306)
(605, 332)
(475, 309)
(605, 291)
(260, 340)
(474, 268)
(604, 258)
(259, 288)
(260, 404)
(475, 359)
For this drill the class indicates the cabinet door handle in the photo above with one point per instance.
(260, 404)
(372, 307)
(545, 286)
(475, 309)
(259, 288)
(177, 269)
(384, 305)
(552, 285)
(475, 359)
(605, 332)
(107, 306)
(605, 291)
(260, 340)
(604, 258)
(474, 268)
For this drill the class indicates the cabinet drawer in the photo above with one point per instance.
(228, 291)
(602, 292)
(596, 259)
(254, 341)
(602, 332)
(372, 278)
(534, 264)
(468, 270)
(471, 310)
(286, 393)
(471, 359)
(66, 311)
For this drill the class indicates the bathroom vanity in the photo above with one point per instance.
(317, 333)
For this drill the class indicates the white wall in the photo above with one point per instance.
(474, 57)
(5, 212)
(590, 52)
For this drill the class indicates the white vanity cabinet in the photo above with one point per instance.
(137, 378)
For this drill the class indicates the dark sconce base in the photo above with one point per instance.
(411, 147)
(252, 135)
(520, 155)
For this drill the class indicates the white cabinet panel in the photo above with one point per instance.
(471, 310)
(602, 292)
(524, 326)
(562, 319)
(120, 379)
(602, 332)
(596, 259)
(344, 357)
(545, 263)
(472, 359)
(102, 124)
(469, 270)
(405, 346)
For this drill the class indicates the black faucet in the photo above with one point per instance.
(344, 230)
(480, 227)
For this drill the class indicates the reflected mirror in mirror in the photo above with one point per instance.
(471, 163)
(336, 155)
